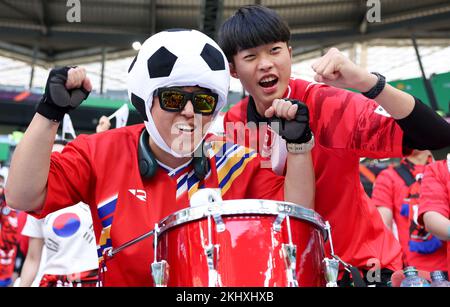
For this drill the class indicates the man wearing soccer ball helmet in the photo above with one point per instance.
(134, 176)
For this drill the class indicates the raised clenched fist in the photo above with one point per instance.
(290, 119)
(65, 89)
(335, 69)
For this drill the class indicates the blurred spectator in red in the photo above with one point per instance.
(369, 170)
(434, 211)
(8, 238)
(396, 195)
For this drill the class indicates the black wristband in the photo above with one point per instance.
(377, 88)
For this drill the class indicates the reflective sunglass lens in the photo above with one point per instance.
(172, 100)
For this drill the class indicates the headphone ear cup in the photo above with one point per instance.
(201, 167)
(146, 161)
(201, 164)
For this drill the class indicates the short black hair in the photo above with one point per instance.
(252, 26)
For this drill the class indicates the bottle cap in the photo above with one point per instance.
(410, 269)
(437, 275)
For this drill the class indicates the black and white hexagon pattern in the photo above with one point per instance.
(177, 58)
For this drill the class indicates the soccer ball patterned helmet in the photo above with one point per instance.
(176, 58)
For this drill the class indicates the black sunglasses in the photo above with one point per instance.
(174, 100)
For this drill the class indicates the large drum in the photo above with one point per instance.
(240, 243)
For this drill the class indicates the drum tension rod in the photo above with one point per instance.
(212, 255)
(290, 256)
(112, 251)
(331, 266)
(160, 269)
(345, 264)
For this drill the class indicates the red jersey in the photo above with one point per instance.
(435, 194)
(102, 170)
(391, 191)
(346, 126)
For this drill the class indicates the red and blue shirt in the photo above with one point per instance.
(102, 170)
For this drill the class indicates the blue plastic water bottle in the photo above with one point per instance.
(412, 278)
(438, 279)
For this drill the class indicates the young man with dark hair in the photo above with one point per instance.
(382, 122)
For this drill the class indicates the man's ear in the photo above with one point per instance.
(290, 51)
(233, 72)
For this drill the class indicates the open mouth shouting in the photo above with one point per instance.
(269, 83)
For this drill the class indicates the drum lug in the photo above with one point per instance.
(160, 269)
(290, 257)
(220, 225)
(331, 271)
(160, 273)
(217, 216)
(278, 221)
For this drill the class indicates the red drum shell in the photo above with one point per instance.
(250, 252)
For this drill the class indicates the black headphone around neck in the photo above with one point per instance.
(148, 165)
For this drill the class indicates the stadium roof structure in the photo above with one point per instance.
(48, 31)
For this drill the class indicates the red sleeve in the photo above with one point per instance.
(342, 119)
(383, 190)
(435, 190)
(70, 177)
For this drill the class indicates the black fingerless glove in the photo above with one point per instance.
(296, 130)
(57, 100)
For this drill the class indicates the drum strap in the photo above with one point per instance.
(356, 276)
(352, 273)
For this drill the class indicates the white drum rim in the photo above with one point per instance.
(243, 206)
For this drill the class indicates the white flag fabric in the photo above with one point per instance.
(448, 162)
(121, 116)
(68, 127)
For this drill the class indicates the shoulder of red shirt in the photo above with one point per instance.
(238, 112)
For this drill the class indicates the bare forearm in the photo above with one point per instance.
(299, 185)
(32, 262)
(437, 224)
(30, 164)
(29, 271)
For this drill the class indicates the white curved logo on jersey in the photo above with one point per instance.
(381, 111)
(448, 162)
(140, 194)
